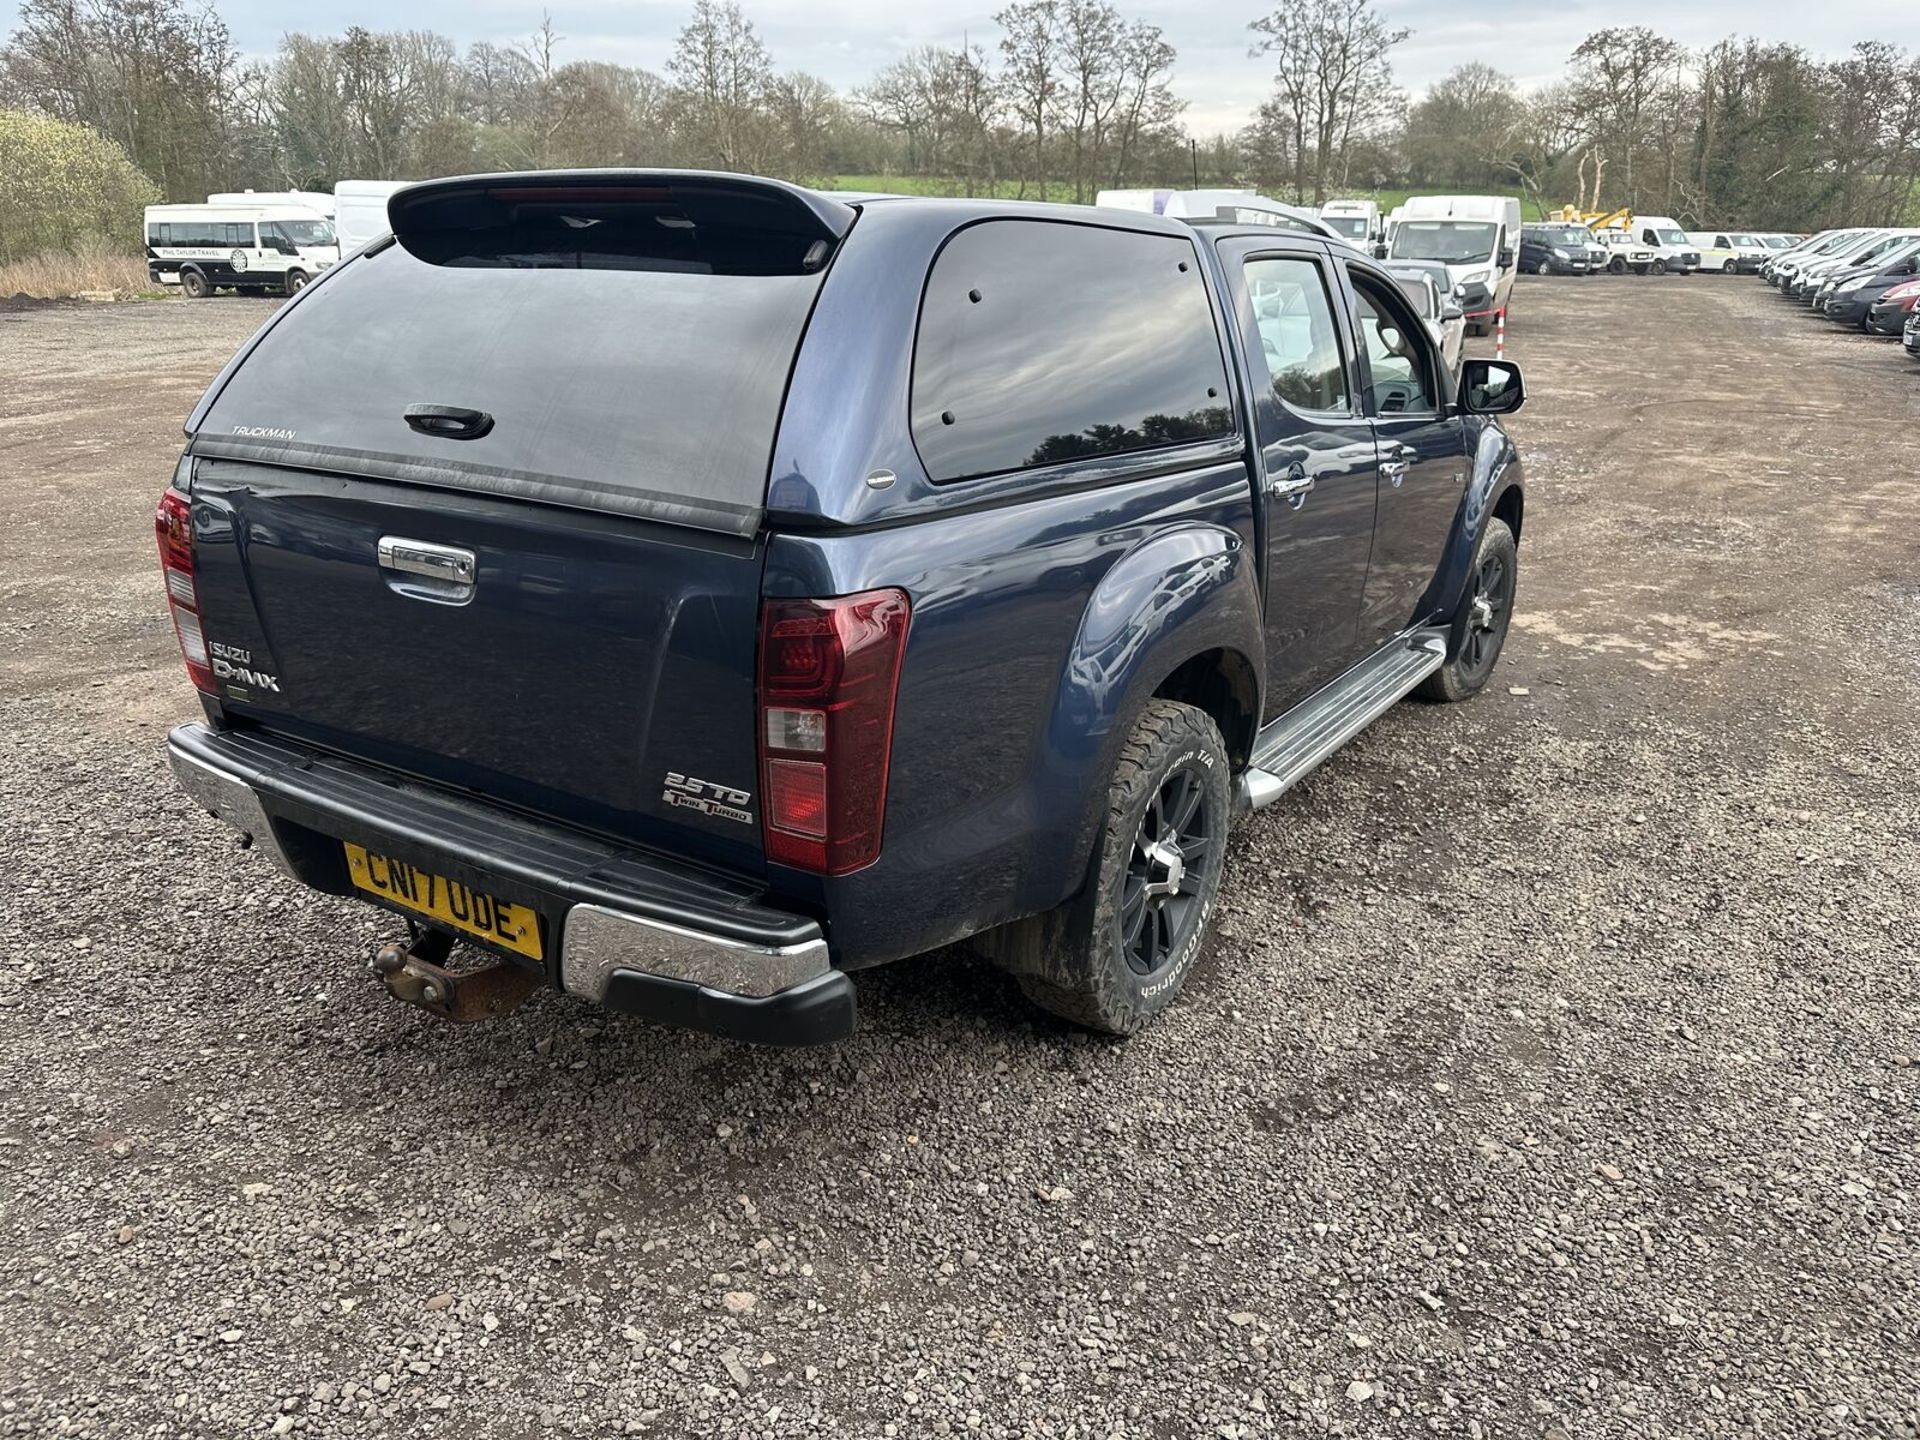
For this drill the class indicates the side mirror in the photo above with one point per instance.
(1506, 256)
(1380, 251)
(1453, 310)
(1491, 387)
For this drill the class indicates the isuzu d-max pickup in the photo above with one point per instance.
(688, 589)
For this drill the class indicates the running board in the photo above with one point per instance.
(1294, 745)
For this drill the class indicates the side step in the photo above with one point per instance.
(1292, 747)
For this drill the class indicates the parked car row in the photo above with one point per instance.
(1643, 245)
(1865, 278)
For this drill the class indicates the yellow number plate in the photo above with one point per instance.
(513, 926)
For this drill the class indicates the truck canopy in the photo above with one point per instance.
(614, 341)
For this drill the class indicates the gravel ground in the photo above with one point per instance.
(1550, 1075)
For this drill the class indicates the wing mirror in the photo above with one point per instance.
(1491, 387)
(1506, 256)
(1453, 310)
(1380, 251)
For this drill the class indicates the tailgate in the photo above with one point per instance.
(483, 504)
(596, 668)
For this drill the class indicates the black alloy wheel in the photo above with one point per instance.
(1175, 849)
(1490, 611)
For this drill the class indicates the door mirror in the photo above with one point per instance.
(1452, 311)
(1506, 256)
(1491, 387)
(1380, 251)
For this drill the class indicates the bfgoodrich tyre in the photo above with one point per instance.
(1116, 955)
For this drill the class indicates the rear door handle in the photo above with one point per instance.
(449, 422)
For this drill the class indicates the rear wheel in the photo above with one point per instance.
(1479, 628)
(1115, 956)
(194, 285)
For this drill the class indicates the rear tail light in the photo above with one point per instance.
(173, 525)
(829, 670)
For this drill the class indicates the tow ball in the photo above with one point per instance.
(412, 970)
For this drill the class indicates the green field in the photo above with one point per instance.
(1061, 191)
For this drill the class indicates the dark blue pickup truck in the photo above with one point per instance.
(687, 589)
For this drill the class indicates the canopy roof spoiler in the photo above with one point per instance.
(476, 201)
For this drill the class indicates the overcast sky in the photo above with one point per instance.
(845, 41)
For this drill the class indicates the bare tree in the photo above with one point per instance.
(1619, 77)
(722, 75)
(1031, 80)
(1331, 78)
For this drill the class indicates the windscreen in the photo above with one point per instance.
(625, 357)
(304, 234)
(1354, 227)
(1454, 242)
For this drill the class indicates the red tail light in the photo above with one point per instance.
(828, 673)
(173, 524)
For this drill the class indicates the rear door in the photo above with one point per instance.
(483, 505)
(1315, 450)
(1422, 455)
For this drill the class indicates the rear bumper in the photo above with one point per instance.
(632, 931)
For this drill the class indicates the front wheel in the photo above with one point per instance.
(1545, 267)
(1115, 956)
(1479, 628)
(1616, 266)
(296, 281)
(1659, 267)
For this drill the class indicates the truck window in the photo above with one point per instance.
(1401, 382)
(1294, 316)
(1043, 341)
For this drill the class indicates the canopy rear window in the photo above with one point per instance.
(628, 345)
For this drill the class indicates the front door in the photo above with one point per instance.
(1423, 458)
(1315, 449)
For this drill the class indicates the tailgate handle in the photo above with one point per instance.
(449, 422)
(447, 569)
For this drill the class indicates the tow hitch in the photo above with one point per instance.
(412, 971)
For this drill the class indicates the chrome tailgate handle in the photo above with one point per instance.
(417, 557)
(420, 570)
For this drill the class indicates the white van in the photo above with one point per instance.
(360, 210)
(1673, 253)
(254, 249)
(318, 201)
(1477, 237)
(1357, 220)
(1231, 207)
(1729, 252)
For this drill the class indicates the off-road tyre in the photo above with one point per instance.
(1496, 561)
(1074, 961)
(194, 285)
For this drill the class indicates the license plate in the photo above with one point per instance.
(514, 927)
